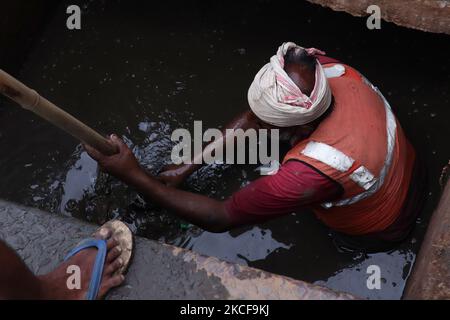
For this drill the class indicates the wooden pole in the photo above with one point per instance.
(29, 99)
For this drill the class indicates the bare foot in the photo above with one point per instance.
(54, 284)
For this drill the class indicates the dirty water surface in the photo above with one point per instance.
(142, 71)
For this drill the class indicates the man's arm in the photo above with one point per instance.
(295, 185)
(209, 214)
(174, 175)
(205, 212)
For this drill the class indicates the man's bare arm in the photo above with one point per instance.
(208, 213)
(174, 175)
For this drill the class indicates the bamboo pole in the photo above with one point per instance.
(29, 99)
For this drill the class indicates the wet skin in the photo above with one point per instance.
(303, 77)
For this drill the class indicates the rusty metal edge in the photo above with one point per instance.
(430, 278)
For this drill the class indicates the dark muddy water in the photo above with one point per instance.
(142, 71)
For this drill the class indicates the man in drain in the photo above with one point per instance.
(350, 160)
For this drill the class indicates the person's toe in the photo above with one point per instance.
(103, 233)
(113, 266)
(111, 243)
(110, 283)
(115, 281)
(113, 254)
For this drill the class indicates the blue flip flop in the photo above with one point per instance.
(97, 270)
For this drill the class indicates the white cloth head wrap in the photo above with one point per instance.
(277, 100)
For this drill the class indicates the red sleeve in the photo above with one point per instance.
(296, 185)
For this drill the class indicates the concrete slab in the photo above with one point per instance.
(158, 271)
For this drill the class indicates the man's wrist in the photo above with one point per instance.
(189, 169)
(132, 176)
